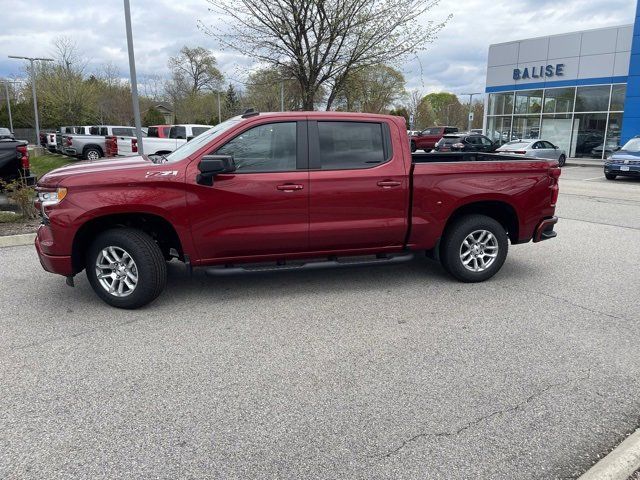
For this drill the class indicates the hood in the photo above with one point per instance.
(622, 155)
(99, 169)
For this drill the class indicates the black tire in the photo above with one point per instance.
(562, 160)
(452, 246)
(413, 147)
(149, 266)
(427, 150)
(92, 153)
(610, 176)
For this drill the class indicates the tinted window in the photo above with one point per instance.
(537, 145)
(198, 130)
(266, 148)
(165, 130)
(485, 141)
(432, 131)
(152, 132)
(94, 130)
(547, 145)
(345, 145)
(449, 140)
(178, 132)
(450, 130)
(104, 131)
(124, 132)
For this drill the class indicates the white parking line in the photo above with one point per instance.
(594, 178)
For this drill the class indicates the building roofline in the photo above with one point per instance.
(562, 34)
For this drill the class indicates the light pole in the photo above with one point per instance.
(219, 110)
(471, 105)
(282, 95)
(6, 91)
(33, 88)
(134, 80)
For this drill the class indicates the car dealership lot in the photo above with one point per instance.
(389, 372)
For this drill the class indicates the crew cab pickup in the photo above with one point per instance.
(125, 146)
(92, 146)
(298, 190)
(427, 139)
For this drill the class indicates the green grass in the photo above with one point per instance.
(47, 162)
(6, 217)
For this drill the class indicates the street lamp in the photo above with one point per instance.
(6, 91)
(33, 88)
(471, 105)
(134, 80)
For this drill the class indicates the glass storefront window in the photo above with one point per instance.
(499, 129)
(501, 103)
(526, 127)
(613, 134)
(593, 99)
(618, 92)
(588, 134)
(528, 102)
(559, 100)
(557, 130)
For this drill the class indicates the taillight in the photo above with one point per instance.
(51, 138)
(23, 154)
(554, 174)
(134, 145)
(68, 141)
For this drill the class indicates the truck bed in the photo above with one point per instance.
(434, 157)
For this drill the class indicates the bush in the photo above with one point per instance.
(22, 195)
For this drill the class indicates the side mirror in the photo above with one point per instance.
(212, 165)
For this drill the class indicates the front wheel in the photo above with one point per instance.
(92, 154)
(126, 268)
(610, 176)
(474, 248)
(562, 160)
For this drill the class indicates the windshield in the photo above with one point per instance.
(198, 142)
(632, 145)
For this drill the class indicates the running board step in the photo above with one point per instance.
(334, 263)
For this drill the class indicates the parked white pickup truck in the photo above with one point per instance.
(178, 135)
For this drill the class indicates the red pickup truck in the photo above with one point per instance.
(278, 191)
(426, 140)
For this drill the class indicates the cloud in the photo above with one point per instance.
(455, 62)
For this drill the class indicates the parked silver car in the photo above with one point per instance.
(535, 148)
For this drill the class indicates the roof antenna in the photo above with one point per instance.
(250, 112)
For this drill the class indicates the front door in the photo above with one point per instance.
(263, 207)
(359, 186)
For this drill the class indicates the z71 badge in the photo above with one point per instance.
(162, 173)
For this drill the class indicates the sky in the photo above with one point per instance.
(455, 61)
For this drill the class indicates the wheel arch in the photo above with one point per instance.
(501, 211)
(92, 145)
(156, 226)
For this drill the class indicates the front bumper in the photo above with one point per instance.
(544, 230)
(59, 264)
(632, 170)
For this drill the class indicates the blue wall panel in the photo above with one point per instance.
(631, 117)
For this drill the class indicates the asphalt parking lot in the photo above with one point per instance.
(388, 372)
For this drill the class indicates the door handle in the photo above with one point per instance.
(389, 183)
(290, 187)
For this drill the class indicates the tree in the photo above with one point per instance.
(371, 89)
(445, 106)
(321, 43)
(401, 112)
(195, 70)
(264, 88)
(231, 102)
(153, 117)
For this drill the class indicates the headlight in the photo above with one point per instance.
(53, 197)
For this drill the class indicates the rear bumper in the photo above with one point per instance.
(544, 230)
(72, 152)
(61, 265)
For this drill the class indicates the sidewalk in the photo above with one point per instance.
(584, 162)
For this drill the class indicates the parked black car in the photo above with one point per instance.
(464, 142)
(14, 159)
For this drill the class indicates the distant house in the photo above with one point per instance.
(167, 112)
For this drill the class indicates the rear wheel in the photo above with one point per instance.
(562, 160)
(610, 176)
(474, 248)
(92, 154)
(413, 146)
(126, 268)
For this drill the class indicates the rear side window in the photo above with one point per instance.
(165, 131)
(449, 140)
(198, 130)
(350, 145)
(265, 148)
(450, 130)
(94, 130)
(124, 132)
(178, 132)
(152, 132)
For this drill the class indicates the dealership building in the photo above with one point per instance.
(578, 90)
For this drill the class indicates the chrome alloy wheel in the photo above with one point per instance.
(479, 250)
(93, 155)
(116, 271)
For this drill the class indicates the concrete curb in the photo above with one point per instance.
(17, 240)
(620, 463)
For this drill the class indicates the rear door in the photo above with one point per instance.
(263, 207)
(359, 186)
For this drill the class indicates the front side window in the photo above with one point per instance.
(265, 148)
(198, 130)
(449, 130)
(350, 145)
(152, 132)
(178, 132)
